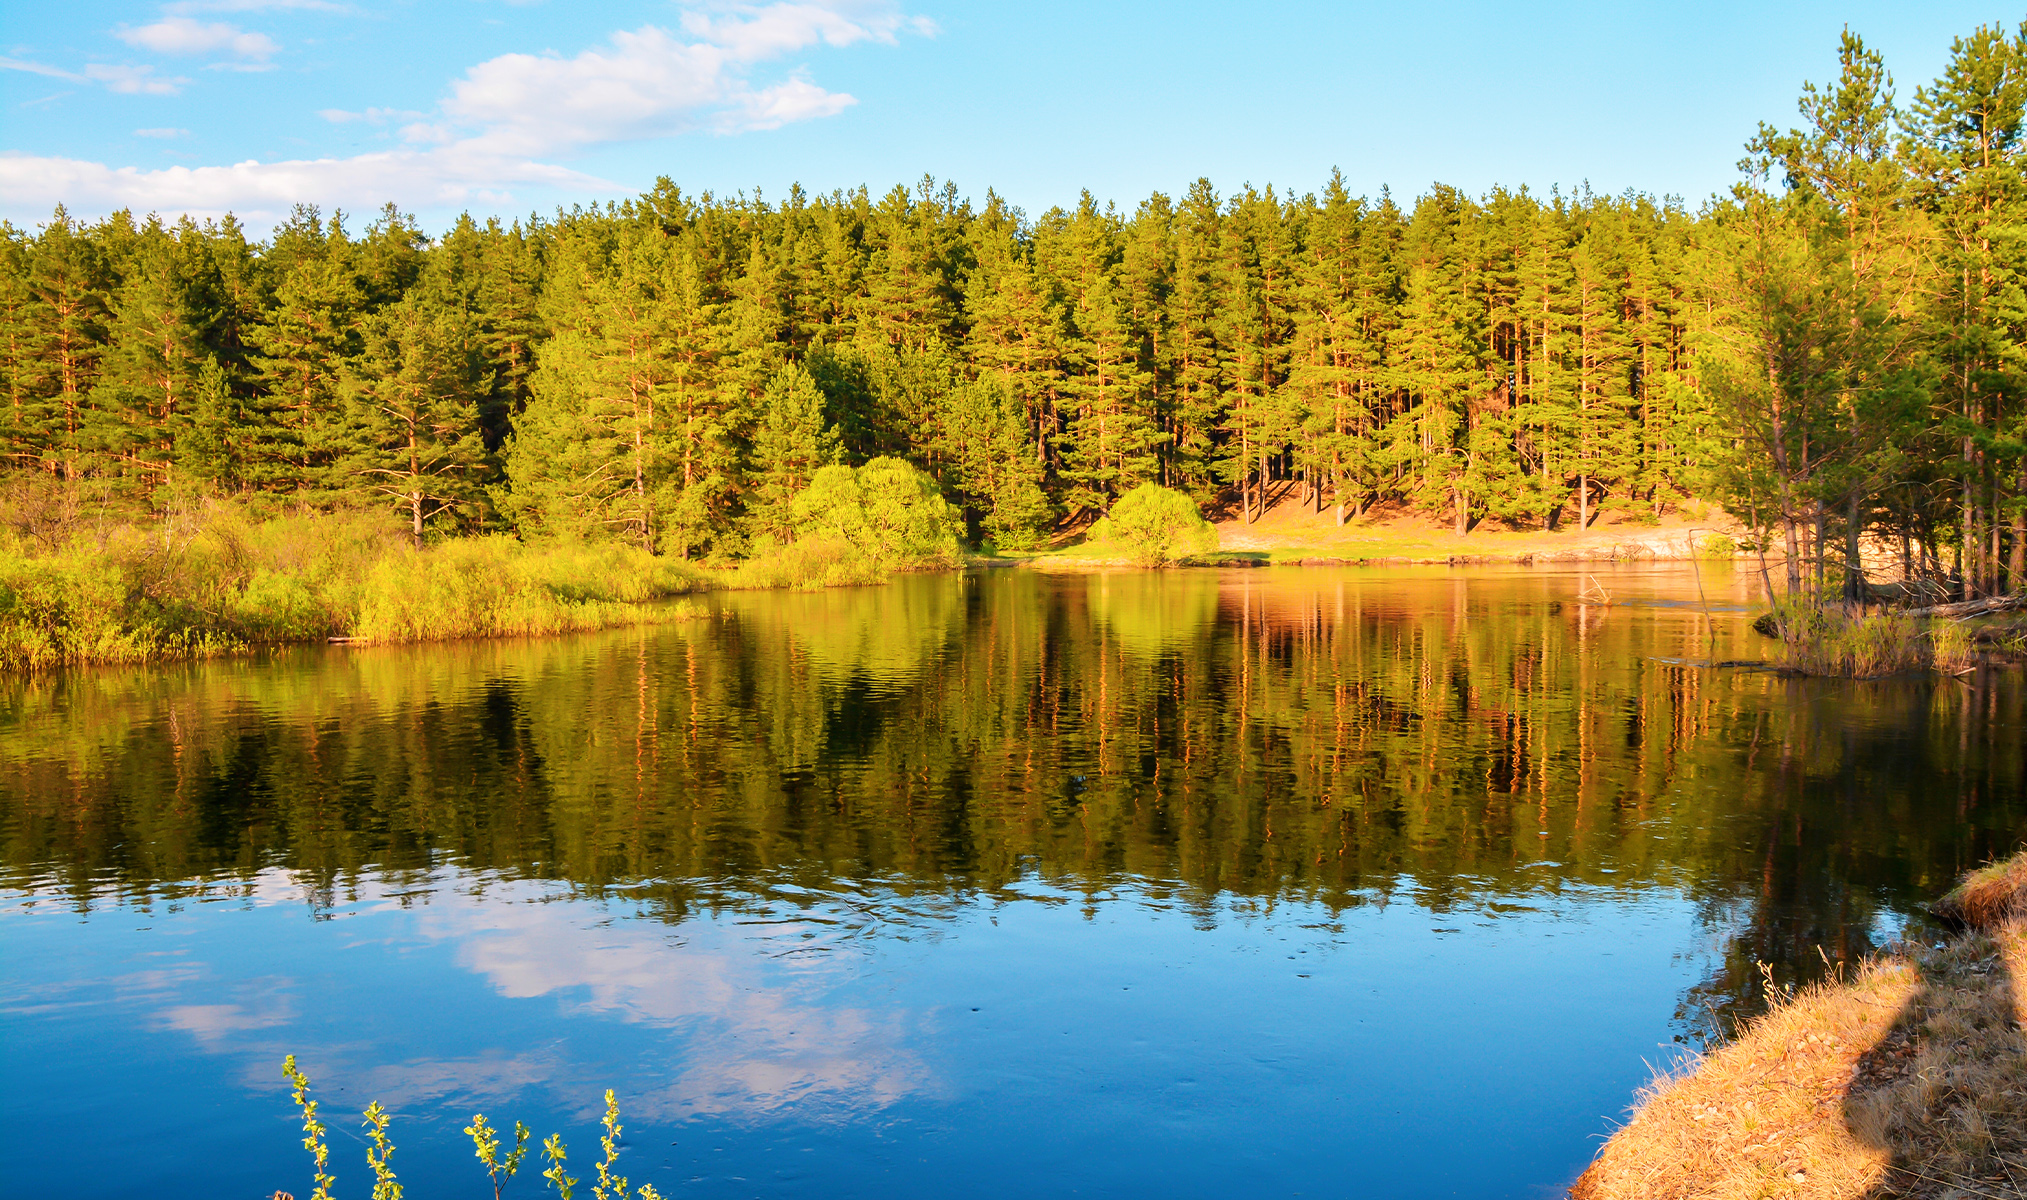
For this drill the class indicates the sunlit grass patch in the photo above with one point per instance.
(807, 564)
(1828, 640)
(1907, 1079)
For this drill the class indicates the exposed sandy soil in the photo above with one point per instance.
(1291, 530)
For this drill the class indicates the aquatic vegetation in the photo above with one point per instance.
(1831, 640)
(808, 564)
(486, 587)
(1909, 1078)
(219, 577)
(488, 1147)
(1156, 527)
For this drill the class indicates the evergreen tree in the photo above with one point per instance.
(413, 433)
(790, 442)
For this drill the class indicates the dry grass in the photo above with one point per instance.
(1909, 1080)
(1990, 897)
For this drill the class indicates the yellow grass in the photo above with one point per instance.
(1907, 1080)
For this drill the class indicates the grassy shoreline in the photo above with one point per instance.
(1906, 1079)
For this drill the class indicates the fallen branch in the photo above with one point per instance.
(1969, 608)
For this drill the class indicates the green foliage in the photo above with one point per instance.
(1820, 640)
(313, 1129)
(809, 563)
(501, 1164)
(789, 446)
(553, 1151)
(77, 587)
(887, 509)
(500, 1168)
(1156, 526)
(492, 586)
(378, 1152)
(610, 1186)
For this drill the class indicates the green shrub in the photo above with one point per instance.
(886, 509)
(1156, 526)
(490, 586)
(214, 577)
(807, 564)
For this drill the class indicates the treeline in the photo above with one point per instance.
(672, 368)
(1833, 353)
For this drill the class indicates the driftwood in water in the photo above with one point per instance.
(1766, 626)
(1971, 608)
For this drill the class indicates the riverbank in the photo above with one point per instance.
(1907, 1078)
(216, 580)
(1292, 533)
(1290, 530)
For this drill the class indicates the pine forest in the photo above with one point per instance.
(1834, 352)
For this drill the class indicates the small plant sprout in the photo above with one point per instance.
(486, 1144)
(552, 1149)
(609, 1185)
(313, 1129)
(377, 1154)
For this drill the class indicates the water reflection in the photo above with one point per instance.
(716, 832)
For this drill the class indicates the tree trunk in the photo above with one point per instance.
(2016, 567)
(1854, 574)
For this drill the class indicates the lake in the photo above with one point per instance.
(1296, 881)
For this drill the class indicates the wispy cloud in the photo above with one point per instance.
(184, 8)
(36, 68)
(186, 35)
(132, 80)
(161, 133)
(442, 177)
(371, 116)
(500, 121)
(123, 78)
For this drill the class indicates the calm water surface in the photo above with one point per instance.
(1283, 882)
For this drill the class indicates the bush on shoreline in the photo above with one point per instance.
(1156, 527)
(217, 576)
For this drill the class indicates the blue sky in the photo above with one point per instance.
(252, 105)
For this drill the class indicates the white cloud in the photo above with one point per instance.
(499, 120)
(796, 100)
(185, 35)
(372, 116)
(128, 80)
(186, 7)
(257, 190)
(161, 133)
(36, 68)
(133, 81)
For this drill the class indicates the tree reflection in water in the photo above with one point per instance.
(1335, 736)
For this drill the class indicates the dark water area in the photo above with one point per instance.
(1194, 883)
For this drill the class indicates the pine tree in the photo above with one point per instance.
(158, 341)
(413, 433)
(299, 348)
(790, 442)
(984, 442)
